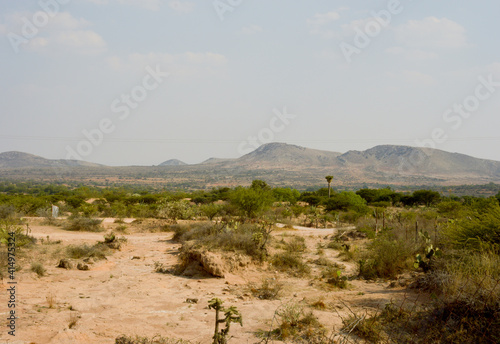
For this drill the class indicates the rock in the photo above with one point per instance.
(210, 262)
(83, 267)
(191, 300)
(65, 264)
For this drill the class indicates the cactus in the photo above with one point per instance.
(430, 253)
(231, 315)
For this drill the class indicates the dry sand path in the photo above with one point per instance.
(122, 295)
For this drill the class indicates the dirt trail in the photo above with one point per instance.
(123, 295)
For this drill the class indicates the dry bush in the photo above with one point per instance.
(51, 300)
(386, 257)
(145, 340)
(38, 268)
(73, 319)
(84, 224)
(246, 238)
(291, 263)
(298, 326)
(269, 289)
(97, 251)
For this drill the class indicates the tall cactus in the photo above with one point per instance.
(231, 315)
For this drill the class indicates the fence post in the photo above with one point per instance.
(416, 231)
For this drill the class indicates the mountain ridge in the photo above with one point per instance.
(283, 163)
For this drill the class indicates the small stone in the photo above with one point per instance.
(65, 264)
(83, 267)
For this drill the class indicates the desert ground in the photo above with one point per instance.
(123, 295)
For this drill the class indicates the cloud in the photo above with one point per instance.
(76, 41)
(319, 24)
(65, 21)
(323, 18)
(251, 30)
(432, 32)
(181, 6)
(414, 77)
(186, 64)
(153, 5)
(412, 54)
(62, 33)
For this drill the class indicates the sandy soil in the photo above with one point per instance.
(123, 294)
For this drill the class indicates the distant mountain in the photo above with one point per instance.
(216, 161)
(284, 155)
(173, 162)
(278, 164)
(406, 160)
(25, 160)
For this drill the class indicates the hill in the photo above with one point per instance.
(173, 162)
(279, 164)
(25, 160)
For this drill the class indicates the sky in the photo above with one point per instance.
(138, 82)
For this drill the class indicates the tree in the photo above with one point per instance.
(426, 197)
(346, 200)
(252, 200)
(329, 181)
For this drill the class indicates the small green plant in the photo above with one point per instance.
(336, 278)
(231, 315)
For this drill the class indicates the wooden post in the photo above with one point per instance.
(416, 230)
(383, 220)
(435, 231)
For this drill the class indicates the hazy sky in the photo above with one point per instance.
(88, 78)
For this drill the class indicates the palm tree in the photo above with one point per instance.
(329, 180)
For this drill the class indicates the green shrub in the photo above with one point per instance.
(334, 276)
(176, 210)
(477, 229)
(249, 239)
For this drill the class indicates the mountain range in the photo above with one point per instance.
(278, 164)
